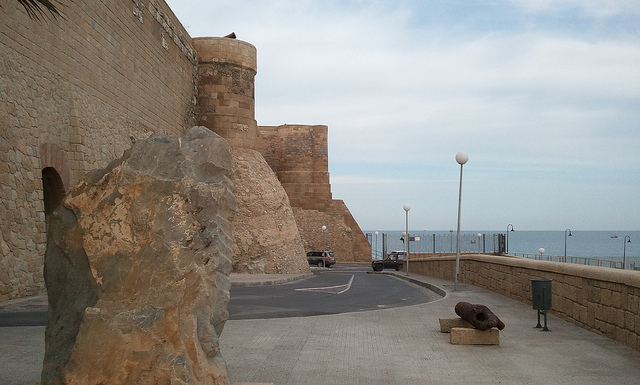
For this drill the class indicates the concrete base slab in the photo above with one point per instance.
(446, 324)
(466, 336)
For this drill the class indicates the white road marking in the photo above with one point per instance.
(327, 289)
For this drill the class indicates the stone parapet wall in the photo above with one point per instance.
(76, 92)
(600, 299)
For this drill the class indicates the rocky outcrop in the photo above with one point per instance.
(265, 232)
(137, 267)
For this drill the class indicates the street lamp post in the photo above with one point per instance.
(624, 251)
(406, 208)
(324, 228)
(541, 251)
(451, 238)
(376, 248)
(461, 158)
(479, 240)
(507, 245)
(565, 243)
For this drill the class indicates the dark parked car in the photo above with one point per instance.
(321, 258)
(394, 261)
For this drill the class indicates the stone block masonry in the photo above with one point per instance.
(74, 94)
(298, 154)
(226, 105)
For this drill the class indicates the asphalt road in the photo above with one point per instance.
(339, 289)
(30, 318)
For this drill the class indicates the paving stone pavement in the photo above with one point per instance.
(404, 345)
(400, 345)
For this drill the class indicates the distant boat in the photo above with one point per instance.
(614, 236)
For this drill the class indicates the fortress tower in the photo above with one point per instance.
(226, 101)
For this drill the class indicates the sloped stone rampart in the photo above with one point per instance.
(266, 236)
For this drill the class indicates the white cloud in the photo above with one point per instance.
(402, 91)
(596, 8)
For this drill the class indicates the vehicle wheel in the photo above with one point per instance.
(320, 264)
(377, 268)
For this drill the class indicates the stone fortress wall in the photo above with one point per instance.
(75, 93)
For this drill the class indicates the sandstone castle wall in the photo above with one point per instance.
(298, 155)
(74, 94)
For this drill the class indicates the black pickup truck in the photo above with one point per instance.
(394, 261)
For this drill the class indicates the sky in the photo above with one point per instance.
(543, 96)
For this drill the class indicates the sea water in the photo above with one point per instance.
(607, 245)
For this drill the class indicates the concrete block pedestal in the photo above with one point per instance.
(462, 333)
(465, 336)
(446, 324)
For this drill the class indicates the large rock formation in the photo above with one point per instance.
(265, 232)
(137, 267)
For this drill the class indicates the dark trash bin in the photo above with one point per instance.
(541, 298)
(541, 294)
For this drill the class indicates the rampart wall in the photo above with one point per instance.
(298, 154)
(600, 299)
(74, 94)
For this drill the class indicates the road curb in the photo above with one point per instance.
(261, 280)
(430, 286)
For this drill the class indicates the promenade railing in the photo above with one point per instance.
(589, 261)
(422, 242)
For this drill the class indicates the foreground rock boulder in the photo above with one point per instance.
(137, 267)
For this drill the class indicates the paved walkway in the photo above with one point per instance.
(404, 346)
(388, 346)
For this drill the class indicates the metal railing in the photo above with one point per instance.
(589, 261)
(434, 243)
